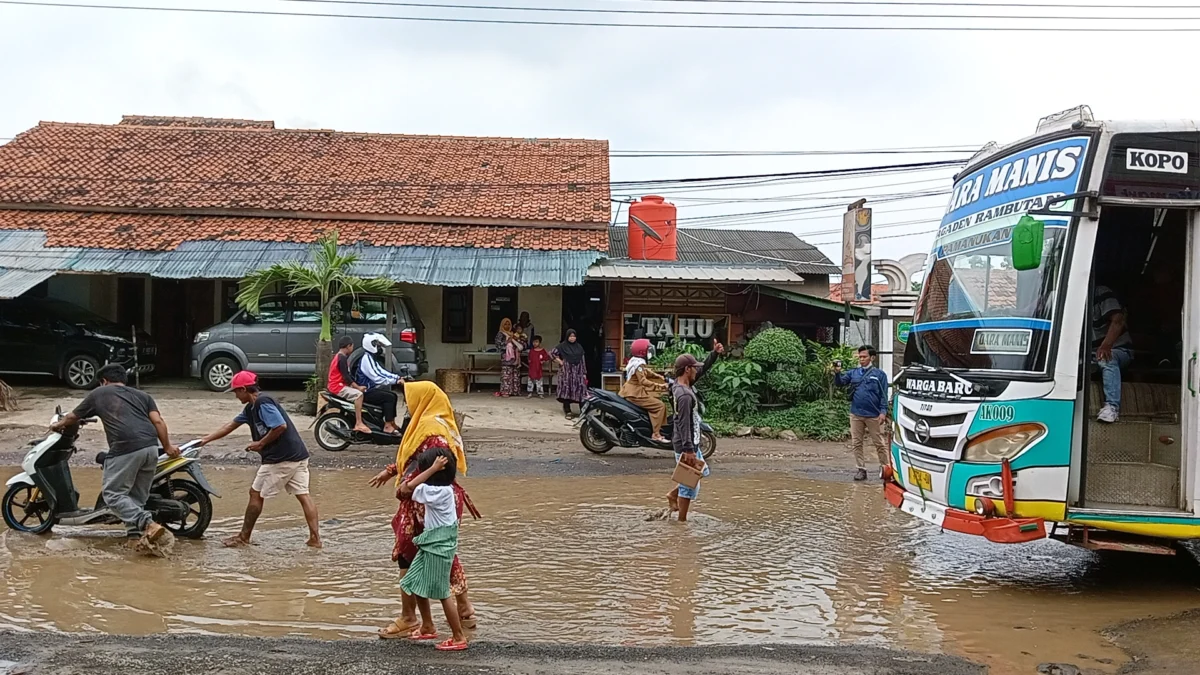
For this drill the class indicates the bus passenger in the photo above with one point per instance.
(1114, 348)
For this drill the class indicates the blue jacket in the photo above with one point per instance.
(868, 397)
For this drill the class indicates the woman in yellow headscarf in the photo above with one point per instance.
(431, 425)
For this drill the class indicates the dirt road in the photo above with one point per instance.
(200, 655)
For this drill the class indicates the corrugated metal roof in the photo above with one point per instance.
(664, 271)
(429, 265)
(776, 244)
(813, 301)
(15, 282)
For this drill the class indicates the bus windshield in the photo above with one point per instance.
(976, 311)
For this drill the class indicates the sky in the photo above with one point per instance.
(639, 88)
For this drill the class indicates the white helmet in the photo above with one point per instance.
(372, 339)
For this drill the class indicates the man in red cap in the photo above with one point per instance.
(284, 456)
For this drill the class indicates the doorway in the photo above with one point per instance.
(1134, 452)
(180, 310)
(583, 310)
(131, 302)
(502, 304)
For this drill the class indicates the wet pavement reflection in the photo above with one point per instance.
(767, 558)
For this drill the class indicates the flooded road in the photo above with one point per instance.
(768, 558)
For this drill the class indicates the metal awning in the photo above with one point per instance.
(14, 283)
(645, 270)
(813, 301)
(26, 251)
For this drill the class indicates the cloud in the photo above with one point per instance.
(656, 89)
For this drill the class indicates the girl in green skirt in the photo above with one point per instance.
(429, 573)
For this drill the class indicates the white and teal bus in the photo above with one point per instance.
(1077, 239)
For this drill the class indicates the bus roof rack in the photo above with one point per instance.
(1065, 119)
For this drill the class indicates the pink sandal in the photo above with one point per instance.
(418, 636)
(451, 646)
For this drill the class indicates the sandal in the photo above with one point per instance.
(418, 636)
(395, 631)
(451, 646)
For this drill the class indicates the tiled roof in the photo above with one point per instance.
(835, 292)
(201, 164)
(156, 232)
(713, 246)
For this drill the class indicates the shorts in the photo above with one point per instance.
(349, 393)
(271, 478)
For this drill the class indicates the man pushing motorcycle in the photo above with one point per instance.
(284, 457)
(135, 432)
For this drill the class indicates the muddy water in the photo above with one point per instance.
(768, 558)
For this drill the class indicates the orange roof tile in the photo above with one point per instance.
(159, 232)
(189, 164)
(835, 293)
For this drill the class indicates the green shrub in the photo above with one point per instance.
(733, 387)
(666, 358)
(827, 420)
(819, 420)
(787, 385)
(776, 347)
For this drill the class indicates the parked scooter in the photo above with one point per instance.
(606, 420)
(45, 495)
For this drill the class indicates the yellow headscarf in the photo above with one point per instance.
(431, 414)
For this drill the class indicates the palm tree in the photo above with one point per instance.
(327, 274)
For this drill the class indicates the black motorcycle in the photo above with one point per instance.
(335, 420)
(606, 420)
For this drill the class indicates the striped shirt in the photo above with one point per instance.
(1104, 306)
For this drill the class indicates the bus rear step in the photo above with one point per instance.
(1104, 540)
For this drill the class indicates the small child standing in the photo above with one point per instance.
(429, 572)
(538, 357)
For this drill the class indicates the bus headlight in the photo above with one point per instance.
(996, 445)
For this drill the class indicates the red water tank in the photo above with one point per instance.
(659, 215)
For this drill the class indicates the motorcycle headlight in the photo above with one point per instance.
(996, 445)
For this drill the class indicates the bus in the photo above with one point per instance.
(1049, 384)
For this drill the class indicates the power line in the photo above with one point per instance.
(1033, 5)
(739, 13)
(886, 236)
(733, 180)
(531, 22)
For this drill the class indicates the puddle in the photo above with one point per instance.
(767, 558)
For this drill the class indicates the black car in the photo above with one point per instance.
(43, 336)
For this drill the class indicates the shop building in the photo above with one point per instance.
(152, 221)
(695, 284)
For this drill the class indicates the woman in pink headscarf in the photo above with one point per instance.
(644, 388)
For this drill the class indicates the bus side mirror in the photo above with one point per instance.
(1028, 238)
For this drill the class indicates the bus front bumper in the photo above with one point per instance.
(995, 529)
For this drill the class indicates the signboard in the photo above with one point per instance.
(1162, 165)
(663, 329)
(1001, 341)
(902, 330)
(856, 254)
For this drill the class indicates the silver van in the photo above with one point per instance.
(281, 340)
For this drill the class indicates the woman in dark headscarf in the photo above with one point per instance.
(572, 373)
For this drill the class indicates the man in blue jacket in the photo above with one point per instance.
(868, 406)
